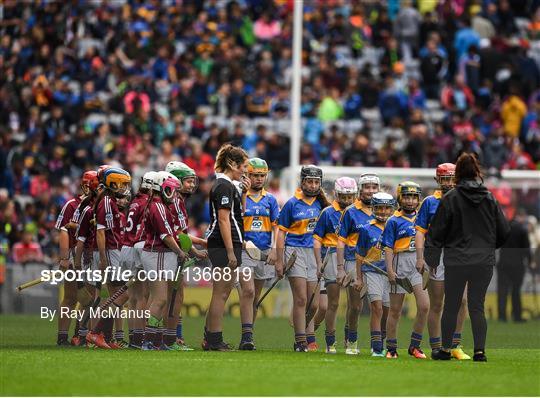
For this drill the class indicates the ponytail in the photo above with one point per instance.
(227, 155)
(323, 200)
(468, 168)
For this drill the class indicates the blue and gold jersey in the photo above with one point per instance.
(260, 216)
(370, 247)
(399, 233)
(327, 224)
(298, 218)
(428, 208)
(353, 218)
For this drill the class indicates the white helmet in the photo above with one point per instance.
(369, 178)
(148, 180)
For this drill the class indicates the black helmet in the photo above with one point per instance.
(311, 171)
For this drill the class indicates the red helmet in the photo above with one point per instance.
(101, 170)
(446, 170)
(89, 181)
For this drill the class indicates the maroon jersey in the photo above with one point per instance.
(123, 231)
(86, 231)
(134, 231)
(69, 213)
(159, 224)
(108, 218)
(179, 213)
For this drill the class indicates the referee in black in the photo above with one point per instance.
(469, 225)
(225, 237)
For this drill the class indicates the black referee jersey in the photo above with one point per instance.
(225, 195)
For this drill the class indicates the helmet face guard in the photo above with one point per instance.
(446, 183)
(258, 180)
(308, 177)
(445, 176)
(89, 182)
(369, 185)
(122, 190)
(169, 187)
(257, 171)
(123, 201)
(382, 212)
(383, 205)
(189, 181)
(409, 189)
(346, 190)
(345, 199)
(188, 185)
(118, 181)
(310, 186)
(148, 180)
(409, 205)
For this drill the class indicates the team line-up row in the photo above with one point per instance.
(364, 240)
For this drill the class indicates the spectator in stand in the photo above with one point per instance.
(518, 159)
(360, 153)
(201, 162)
(433, 68)
(465, 37)
(469, 68)
(482, 25)
(457, 96)
(27, 250)
(417, 99)
(495, 149)
(258, 103)
(133, 85)
(530, 133)
(266, 28)
(392, 103)
(513, 111)
(407, 28)
(330, 108)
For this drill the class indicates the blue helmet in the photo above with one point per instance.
(381, 199)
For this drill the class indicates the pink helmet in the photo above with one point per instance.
(345, 185)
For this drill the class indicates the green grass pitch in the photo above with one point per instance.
(30, 364)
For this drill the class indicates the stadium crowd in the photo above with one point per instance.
(141, 83)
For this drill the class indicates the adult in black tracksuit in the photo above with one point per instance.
(514, 257)
(469, 225)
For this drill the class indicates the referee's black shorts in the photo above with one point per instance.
(218, 255)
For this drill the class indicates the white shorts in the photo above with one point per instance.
(350, 266)
(113, 261)
(160, 265)
(439, 273)
(305, 265)
(137, 254)
(330, 272)
(261, 270)
(126, 258)
(378, 287)
(405, 267)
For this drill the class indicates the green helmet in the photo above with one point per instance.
(257, 165)
(182, 171)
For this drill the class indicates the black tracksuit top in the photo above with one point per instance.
(469, 224)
